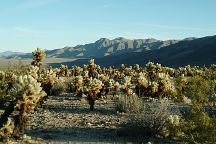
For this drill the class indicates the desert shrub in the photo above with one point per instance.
(198, 90)
(19, 68)
(93, 89)
(68, 85)
(128, 103)
(150, 121)
(197, 126)
(58, 87)
(146, 118)
(75, 84)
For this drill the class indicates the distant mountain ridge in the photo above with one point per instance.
(9, 53)
(198, 51)
(104, 47)
(173, 53)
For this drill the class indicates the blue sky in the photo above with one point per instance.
(49, 24)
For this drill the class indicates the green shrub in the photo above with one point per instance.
(145, 118)
(151, 120)
(198, 90)
(58, 88)
(129, 103)
(197, 126)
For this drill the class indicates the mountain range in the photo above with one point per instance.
(103, 47)
(9, 53)
(193, 51)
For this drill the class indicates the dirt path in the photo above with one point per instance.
(65, 119)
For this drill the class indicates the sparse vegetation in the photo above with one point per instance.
(145, 94)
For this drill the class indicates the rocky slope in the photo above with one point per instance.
(104, 47)
(201, 51)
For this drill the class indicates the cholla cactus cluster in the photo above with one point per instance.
(92, 68)
(142, 80)
(151, 81)
(174, 120)
(7, 130)
(94, 85)
(77, 84)
(47, 78)
(155, 81)
(29, 91)
(39, 55)
(63, 71)
(7, 81)
(33, 71)
(166, 86)
(2, 75)
(93, 89)
(127, 84)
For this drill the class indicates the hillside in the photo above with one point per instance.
(201, 51)
(9, 53)
(104, 47)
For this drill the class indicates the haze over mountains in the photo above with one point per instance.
(194, 51)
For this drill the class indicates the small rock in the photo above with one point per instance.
(25, 137)
(88, 125)
(82, 100)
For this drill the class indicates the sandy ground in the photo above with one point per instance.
(66, 119)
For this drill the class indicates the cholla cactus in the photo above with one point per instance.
(173, 127)
(158, 68)
(93, 89)
(63, 71)
(7, 130)
(122, 67)
(130, 92)
(108, 85)
(27, 84)
(2, 75)
(174, 120)
(116, 87)
(127, 83)
(10, 79)
(142, 80)
(150, 68)
(28, 93)
(166, 86)
(47, 79)
(141, 84)
(76, 85)
(39, 55)
(136, 68)
(183, 82)
(85, 74)
(153, 87)
(76, 71)
(103, 77)
(186, 100)
(78, 81)
(92, 68)
(33, 71)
